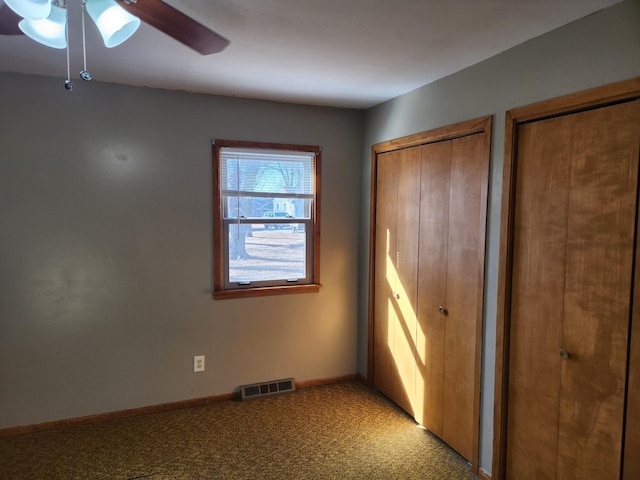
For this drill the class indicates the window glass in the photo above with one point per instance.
(266, 197)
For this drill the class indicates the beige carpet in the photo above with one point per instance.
(338, 431)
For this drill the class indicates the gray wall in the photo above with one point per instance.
(599, 49)
(105, 250)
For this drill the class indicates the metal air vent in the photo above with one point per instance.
(267, 388)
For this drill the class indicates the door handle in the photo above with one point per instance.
(564, 354)
(442, 310)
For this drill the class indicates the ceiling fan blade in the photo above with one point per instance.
(177, 25)
(9, 21)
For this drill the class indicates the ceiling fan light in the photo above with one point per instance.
(115, 24)
(51, 31)
(30, 9)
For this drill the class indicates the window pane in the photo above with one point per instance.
(280, 173)
(260, 254)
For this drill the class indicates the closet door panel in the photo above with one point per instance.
(432, 282)
(600, 251)
(631, 467)
(398, 187)
(631, 464)
(464, 292)
(539, 255)
(406, 268)
(386, 376)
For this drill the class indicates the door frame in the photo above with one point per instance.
(470, 127)
(573, 103)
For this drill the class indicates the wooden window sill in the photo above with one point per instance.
(266, 291)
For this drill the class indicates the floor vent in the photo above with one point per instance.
(268, 388)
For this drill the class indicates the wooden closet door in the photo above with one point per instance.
(465, 257)
(600, 252)
(450, 254)
(573, 253)
(398, 188)
(386, 375)
(539, 258)
(432, 283)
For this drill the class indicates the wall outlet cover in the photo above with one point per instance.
(198, 363)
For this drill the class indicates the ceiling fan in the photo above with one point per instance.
(156, 13)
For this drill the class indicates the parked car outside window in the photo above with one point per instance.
(278, 226)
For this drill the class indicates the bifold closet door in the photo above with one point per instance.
(575, 216)
(451, 255)
(432, 283)
(398, 188)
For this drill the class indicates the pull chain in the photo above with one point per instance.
(84, 74)
(68, 84)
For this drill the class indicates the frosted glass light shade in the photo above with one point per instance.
(115, 24)
(30, 9)
(51, 31)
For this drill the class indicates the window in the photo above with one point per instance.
(265, 218)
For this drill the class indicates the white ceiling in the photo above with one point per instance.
(343, 53)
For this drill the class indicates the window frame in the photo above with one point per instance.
(221, 288)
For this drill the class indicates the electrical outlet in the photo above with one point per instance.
(198, 363)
